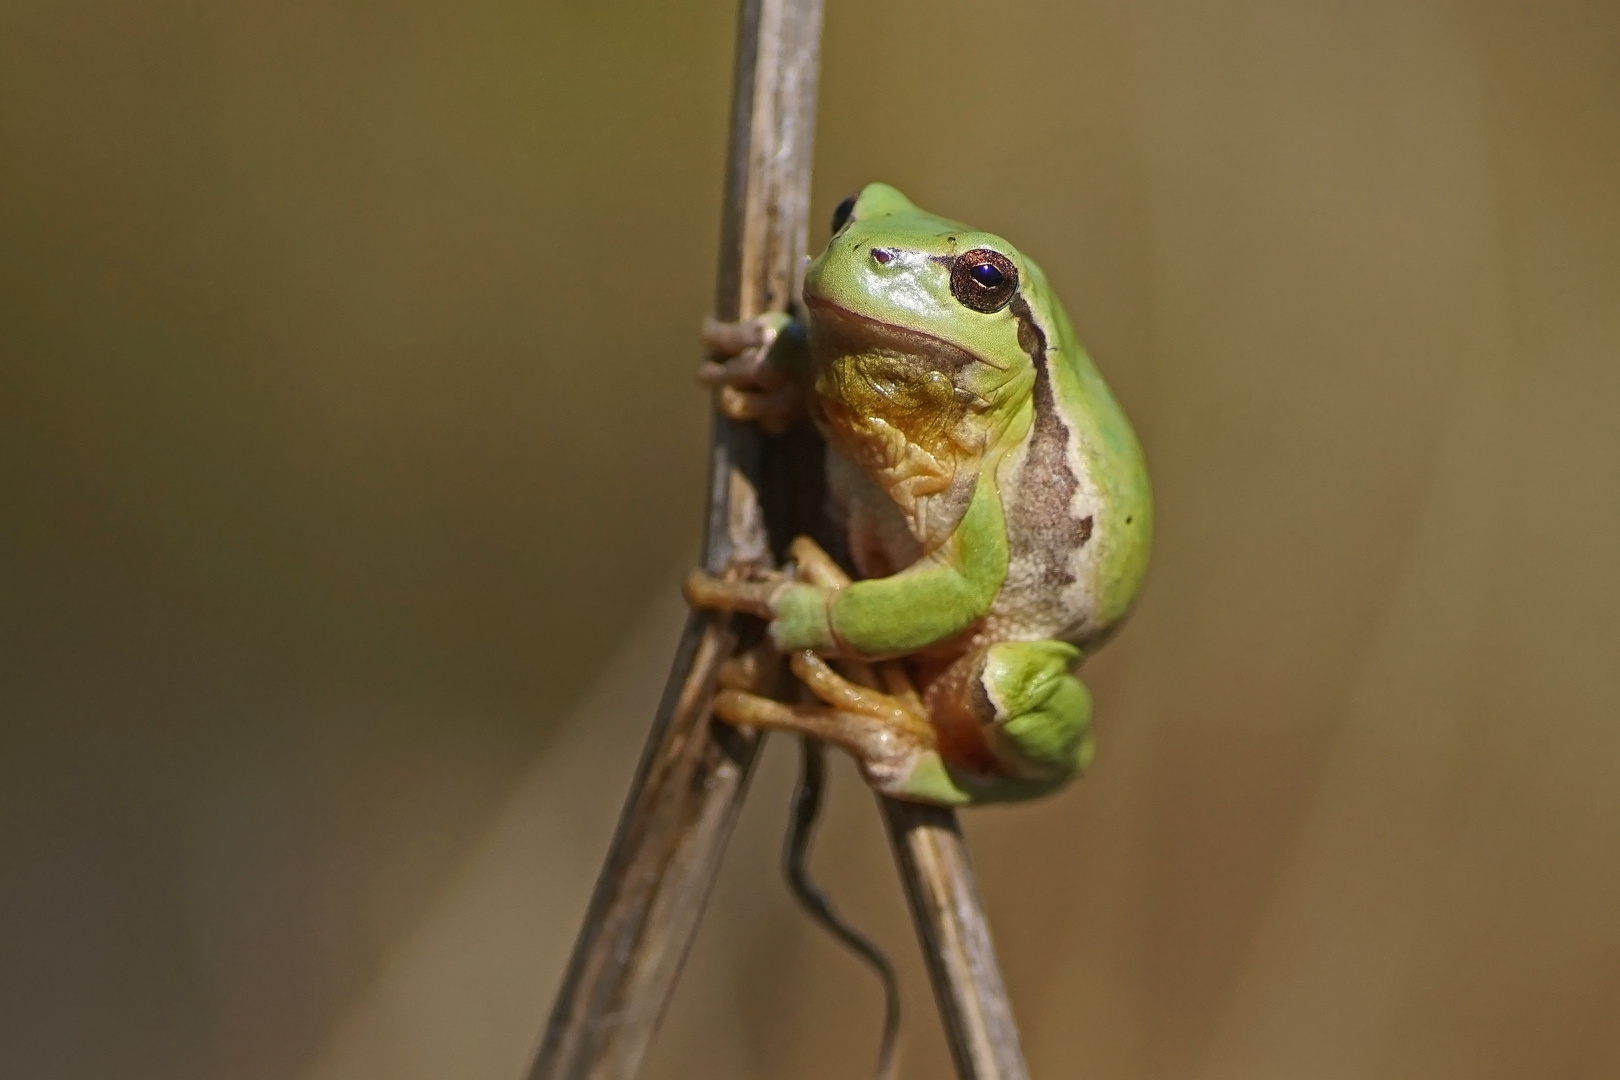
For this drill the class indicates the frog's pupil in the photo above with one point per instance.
(987, 275)
(983, 280)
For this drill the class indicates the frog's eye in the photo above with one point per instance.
(983, 280)
(842, 215)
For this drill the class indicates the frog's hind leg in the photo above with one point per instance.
(888, 734)
(1013, 721)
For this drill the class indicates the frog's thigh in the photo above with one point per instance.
(1032, 714)
(1042, 722)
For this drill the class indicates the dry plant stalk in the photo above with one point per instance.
(933, 861)
(684, 800)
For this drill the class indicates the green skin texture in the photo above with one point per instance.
(1042, 730)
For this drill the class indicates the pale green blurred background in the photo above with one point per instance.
(351, 454)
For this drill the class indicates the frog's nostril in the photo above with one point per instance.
(882, 256)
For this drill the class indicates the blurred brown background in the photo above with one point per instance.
(351, 453)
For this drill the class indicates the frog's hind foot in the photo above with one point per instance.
(886, 734)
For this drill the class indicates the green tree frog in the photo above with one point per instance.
(994, 497)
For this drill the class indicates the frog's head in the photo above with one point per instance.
(899, 282)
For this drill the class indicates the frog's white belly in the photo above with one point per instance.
(879, 536)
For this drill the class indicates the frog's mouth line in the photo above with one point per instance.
(904, 340)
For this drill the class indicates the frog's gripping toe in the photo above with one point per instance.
(889, 736)
(895, 763)
(753, 383)
(710, 593)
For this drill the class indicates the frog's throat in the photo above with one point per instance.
(902, 406)
(920, 438)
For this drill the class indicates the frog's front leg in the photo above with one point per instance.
(933, 600)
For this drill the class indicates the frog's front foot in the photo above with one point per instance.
(749, 368)
(797, 611)
(751, 595)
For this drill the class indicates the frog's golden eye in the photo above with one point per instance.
(841, 216)
(983, 280)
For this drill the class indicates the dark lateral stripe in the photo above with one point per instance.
(1042, 528)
